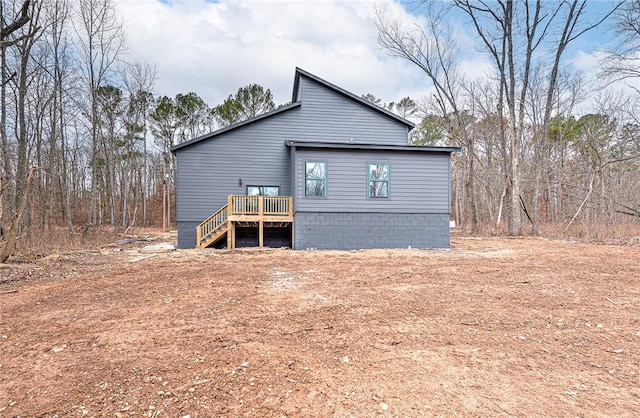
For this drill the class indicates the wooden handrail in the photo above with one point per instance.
(212, 224)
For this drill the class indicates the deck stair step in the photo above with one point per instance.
(213, 229)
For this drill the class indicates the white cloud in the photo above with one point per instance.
(215, 48)
(598, 90)
(587, 62)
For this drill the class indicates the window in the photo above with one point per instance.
(378, 174)
(315, 178)
(263, 190)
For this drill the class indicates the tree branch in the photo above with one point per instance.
(18, 23)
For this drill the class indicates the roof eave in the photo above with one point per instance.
(369, 146)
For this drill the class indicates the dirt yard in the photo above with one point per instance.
(493, 327)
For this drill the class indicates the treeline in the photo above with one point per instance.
(529, 158)
(82, 128)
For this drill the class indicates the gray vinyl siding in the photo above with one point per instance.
(209, 171)
(418, 182)
(330, 117)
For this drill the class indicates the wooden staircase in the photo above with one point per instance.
(213, 229)
(244, 211)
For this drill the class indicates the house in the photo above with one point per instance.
(328, 171)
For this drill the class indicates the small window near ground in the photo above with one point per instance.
(263, 190)
(378, 174)
(315, 178)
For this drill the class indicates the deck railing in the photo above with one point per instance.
(278, 205)
(260, 206)
(214, 223)
(240, 209)
(243, 205)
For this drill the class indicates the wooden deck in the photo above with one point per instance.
(244, 210)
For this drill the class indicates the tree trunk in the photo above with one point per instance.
(586, 198)
(5, 169)
(12, 234)
(473, 207)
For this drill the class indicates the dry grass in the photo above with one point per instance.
(31, 247)
(604, 233)
(615, 234)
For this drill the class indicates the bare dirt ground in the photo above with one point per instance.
(493, 327)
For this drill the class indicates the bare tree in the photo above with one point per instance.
(59, 177)
(24, 47)
(518, 37)
(433, 51)
(21, 32)
(623, 62)
(10, 244)
(139, 79)
(7, 39)
(100, 43)
(523, 28)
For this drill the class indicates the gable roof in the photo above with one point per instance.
(295, 104)
(296, 86)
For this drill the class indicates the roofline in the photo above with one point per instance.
(348, 95)
(368, 146)
(235, 126)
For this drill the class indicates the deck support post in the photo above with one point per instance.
(261, 222)
(261, 234)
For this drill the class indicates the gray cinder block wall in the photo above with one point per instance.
(350, 231)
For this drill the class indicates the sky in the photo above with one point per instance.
(213, 48)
